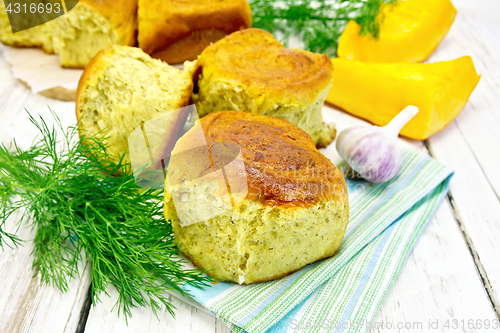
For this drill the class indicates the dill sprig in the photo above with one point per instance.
(80, 211)
(318, 23)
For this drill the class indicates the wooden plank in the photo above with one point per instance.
(28, 306)
(475, 205)
(17, 98)
(438, 284)
(12, 92)
(432, 293)
(188, 319)
(486, 10)
(471, 146)
(25, 304)
(480, 120)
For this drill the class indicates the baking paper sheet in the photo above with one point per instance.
(42, 73)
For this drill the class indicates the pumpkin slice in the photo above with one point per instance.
(410, 31)
(378, 92)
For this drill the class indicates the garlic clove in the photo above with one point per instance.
(372, 151)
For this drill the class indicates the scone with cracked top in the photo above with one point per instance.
(295, 208)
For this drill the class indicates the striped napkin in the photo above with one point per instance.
(342, 293)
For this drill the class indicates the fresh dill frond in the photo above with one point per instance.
(317, 23)
(66, 188)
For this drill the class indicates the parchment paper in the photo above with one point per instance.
(42, 73)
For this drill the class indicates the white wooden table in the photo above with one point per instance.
(452, 274)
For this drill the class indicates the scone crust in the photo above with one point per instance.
(190, 47)
(268, 70)
(165, 23)
(283, 168)
(123, 18)
(295, 213)
(94, 67)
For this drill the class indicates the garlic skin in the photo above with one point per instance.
(372, 151)
(369, 152)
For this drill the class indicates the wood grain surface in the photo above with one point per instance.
(452, 274)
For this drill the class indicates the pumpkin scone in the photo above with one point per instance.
(251, 71)
(292, 211)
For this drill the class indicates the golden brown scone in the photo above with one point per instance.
(294, 211)
(251, 71)
(123, 88)
(178, 30)
(92, 26)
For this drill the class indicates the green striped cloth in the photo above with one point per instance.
(342, 293)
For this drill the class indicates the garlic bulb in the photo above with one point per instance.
(373, 152)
